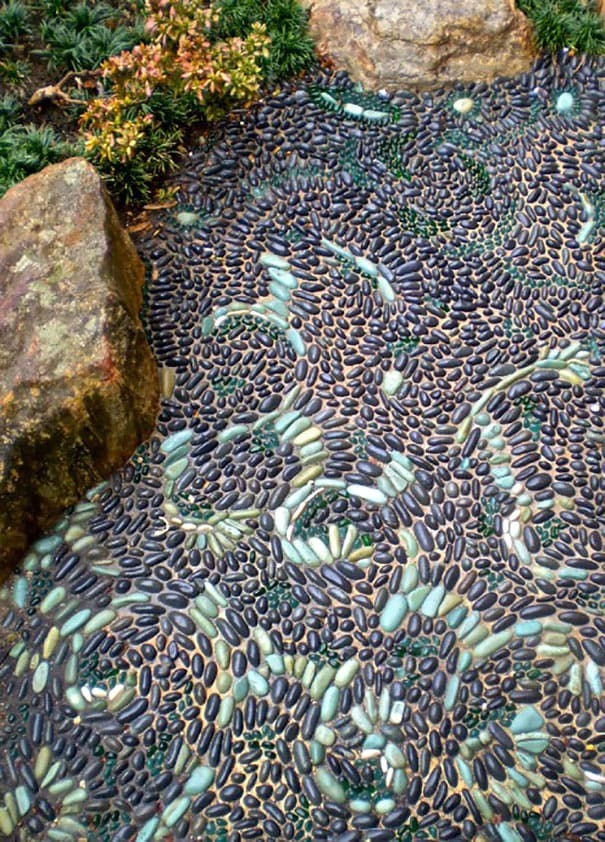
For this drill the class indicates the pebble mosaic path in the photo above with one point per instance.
(353, 588)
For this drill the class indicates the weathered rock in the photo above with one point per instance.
(78, 383)
(397, 44)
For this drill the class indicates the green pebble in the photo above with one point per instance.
(258, 685)
(20, 592)
(199, 780)
(431, 604)
(329, 704)
(393, 612)
(527, 719)
(328, 784)
(40, 677)
(23, 799)
(176, 440)
(52, 599)
(175, 810)
(176, 469)
(75, 622)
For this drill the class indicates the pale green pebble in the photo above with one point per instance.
(214, 592)
(97, 622)
(499, 458)
(297, 497)
(476, 636)
(500, 471)
(394, 756)
(175, 470)
(22, 663)
(505, 482)
(51, 774)
(123, 699)
(386, 486)
(83, 543)
(17, 649)
(308, 474)
(417, 596)
(411, 548)
(291, 552)
(52, 599)
(482, 419)
(73, 533)
(526, 628)
(23, 799)
(279, 291)
(464, 661)
(392, 381)
(375, 116)
(386, 290)
(61, 786)
(451, 694)
(306, 553)
(324, 735)
(223, 654)
(329, 704)
(295, 339)
(527, 719)
(199, 780)
(42, 762)
(328, 784)
(534, 745)
(278, 307)
(317, 752)
(572, 573)
(384, 805)
(75, 622)
(232, 432)
(346, 672)
(207, 606)
(519, 779)
(258, 685)
(224, 681)
(225, 711)
(359, 805)
(6, 823)
(565, 102)
(20, 592)
(372, 495)
(77, 642)
(40, 677)
(361, 719)
(374, 741)
(399, 782)
(71, 826)
(11, 806)
(175, 810)
(283, 277)
(393, 612)
(275, 663)
(431, 604)
(269, 259)
(47, 544)
(175, 440)
(308, 675)
(57, 835)
(465, 771)
(507, 833)
(469, 624)
(410, 578)
(367, 266)
(321, 682)
(593, 678)
(545, 504)
(524, 499)
(76, 796)
(240, 689)
(492, 643)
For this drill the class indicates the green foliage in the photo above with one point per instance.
(286, 22)
(568, 24)
(14, 23)
(10, 109)
(26, 149)
(83, 36)
(14, 72)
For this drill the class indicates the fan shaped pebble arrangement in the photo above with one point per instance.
(353, 587)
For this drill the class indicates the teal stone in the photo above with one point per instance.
(469, 624)
(417, 596)
(482, 419)
(199, 780)
(491, 643)
(505, 482)
(367, 267)
(451, 694)
(374, 741)
(464, 661)
(175, 440)
(75, 622)
(526, 628)
(23, 798)
(527, 719)
(258, 685)
(20, 592)
(232, 432)
(296, 341)
(146, 833)
(316, 752)
(283, 278)
(386, 290)
(240, 689)
(187, 217)
(384, 805)
(175, 811)
(276, 664)
(456, 616)
(393, 612)
(508, 834)
(359, 805)
(500, 471)
(593, 678)
(278, 307)
(565, 102)
(431, 604)
(534, 745)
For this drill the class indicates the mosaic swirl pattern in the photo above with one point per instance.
(353, 587)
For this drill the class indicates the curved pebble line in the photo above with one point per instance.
(352, 587)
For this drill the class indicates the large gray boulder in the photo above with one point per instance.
(401, 44)
(78, 383)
